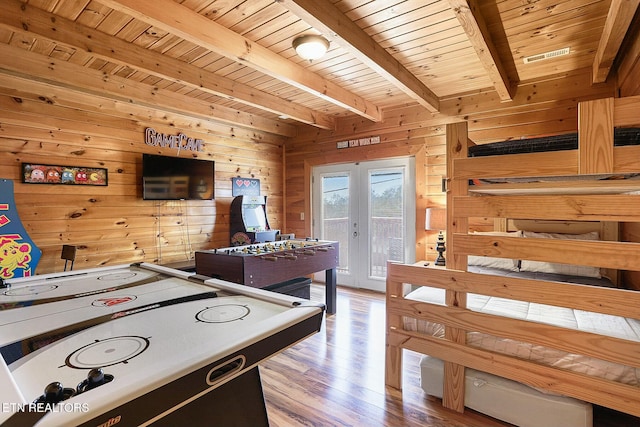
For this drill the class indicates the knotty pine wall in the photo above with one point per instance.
(543, 109)
(628, 84)
(113, 225)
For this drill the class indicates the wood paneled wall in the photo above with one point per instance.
(112, 224)
(542, 109)
(629, 65)
(629, 85)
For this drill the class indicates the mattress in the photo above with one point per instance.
(537, 275)
(569, 141)
(622, 137)
(614, 326)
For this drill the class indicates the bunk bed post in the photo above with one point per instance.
(595, 154)
(393, 351)
(595, 136)
(454, 375)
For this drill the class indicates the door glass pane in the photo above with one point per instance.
(386, 225)
(335, 215)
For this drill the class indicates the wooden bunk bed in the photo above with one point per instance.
(575, 194)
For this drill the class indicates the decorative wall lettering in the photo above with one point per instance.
(179, 141)
(358, 142)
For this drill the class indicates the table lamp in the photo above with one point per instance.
(436, 219)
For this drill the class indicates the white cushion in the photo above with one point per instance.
(557, 268)
(494, 262)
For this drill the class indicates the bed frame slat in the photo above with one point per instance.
(610, 207)
(617, 255)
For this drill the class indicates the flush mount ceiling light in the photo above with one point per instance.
(311, 46)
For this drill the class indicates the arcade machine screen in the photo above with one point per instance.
(249, 223)
(254, 217)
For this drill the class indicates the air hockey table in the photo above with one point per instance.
(141, 344)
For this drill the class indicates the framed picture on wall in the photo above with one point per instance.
(35, 173)
(245, 187)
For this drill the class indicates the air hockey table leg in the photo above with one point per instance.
(238, 403)
(331, 291)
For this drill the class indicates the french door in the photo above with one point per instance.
(369, 207)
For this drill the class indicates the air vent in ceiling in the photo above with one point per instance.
(547, 55)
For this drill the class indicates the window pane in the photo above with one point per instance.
(335, 215)
(386, 220)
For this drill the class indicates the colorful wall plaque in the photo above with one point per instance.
(33, 173)
(245, 187)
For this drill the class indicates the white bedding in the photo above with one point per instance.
(603, 324)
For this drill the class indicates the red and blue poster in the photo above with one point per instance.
(19, 256)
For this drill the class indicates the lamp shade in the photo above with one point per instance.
(311, 46)
(435, 219)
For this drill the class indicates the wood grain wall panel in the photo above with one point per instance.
(87, 107)
(521, 124)
(312, 150)
(542, 109)
(628, 75)
(631, 85)
(630, 232)
(80, 97)
(112, 224)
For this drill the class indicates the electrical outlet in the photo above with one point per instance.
(301, 216)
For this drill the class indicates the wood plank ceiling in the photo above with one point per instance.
(232, 61)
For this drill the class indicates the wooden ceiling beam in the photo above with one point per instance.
(328, 19)
(36, 22)
(472, 22)
(198, 29)
(619, 18)
(59, 73)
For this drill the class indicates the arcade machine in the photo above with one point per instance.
(249, 222)
(19, 255)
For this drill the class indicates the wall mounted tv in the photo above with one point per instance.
(176, 178)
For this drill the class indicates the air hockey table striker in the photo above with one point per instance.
(141, 345)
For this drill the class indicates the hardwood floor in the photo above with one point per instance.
(336, 377)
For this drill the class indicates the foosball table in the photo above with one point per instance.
(264, 264)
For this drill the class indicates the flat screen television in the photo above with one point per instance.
(176, 178)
